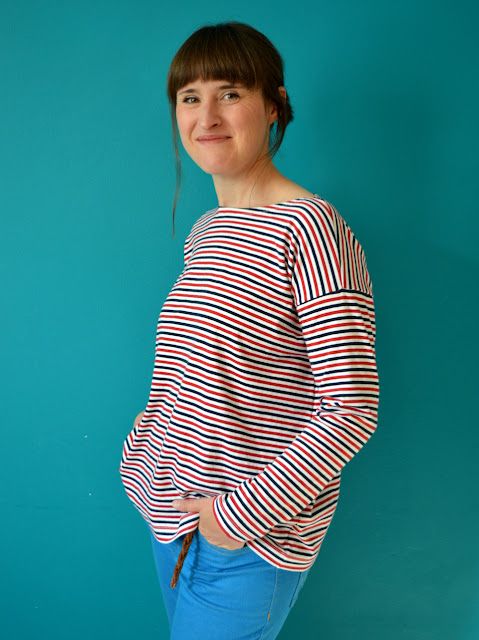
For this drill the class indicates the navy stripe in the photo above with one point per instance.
(264, 383)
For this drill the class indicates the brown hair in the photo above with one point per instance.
(235, 52)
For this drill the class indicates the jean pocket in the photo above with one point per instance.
(218, 548)
(299, 585)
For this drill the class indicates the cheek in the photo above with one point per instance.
(182, 120)
(251, 136)
(251, 127)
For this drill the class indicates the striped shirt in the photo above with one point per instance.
(264, 383)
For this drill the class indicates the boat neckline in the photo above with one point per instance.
(265, 206)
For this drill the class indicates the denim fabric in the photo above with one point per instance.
(224, 594)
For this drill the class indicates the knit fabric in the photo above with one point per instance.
(264, 382)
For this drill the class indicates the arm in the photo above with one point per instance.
(333, 297)
(339, 333)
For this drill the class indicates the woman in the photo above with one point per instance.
(265, 382)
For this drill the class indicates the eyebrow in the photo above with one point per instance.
(223, 86)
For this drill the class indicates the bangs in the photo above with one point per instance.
(214, 54)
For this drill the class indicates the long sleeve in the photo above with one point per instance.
(333, 298)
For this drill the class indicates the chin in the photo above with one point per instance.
(213, 168)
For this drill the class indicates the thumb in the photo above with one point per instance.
(188, 504)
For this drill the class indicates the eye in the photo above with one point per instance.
(235, 95)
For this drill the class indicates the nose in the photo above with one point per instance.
(209, 115)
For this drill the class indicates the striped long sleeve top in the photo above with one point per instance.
(264, 382)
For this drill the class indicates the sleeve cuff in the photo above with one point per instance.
(221, 513)
(229, 521)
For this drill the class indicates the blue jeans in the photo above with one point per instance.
(224, 594)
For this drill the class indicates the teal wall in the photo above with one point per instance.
(386, 102)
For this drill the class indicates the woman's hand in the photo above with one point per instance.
(138, 418)
(208, 525)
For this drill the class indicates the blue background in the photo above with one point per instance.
(386, 102)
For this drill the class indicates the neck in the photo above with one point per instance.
(257, 188)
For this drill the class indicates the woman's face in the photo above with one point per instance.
(238, 118)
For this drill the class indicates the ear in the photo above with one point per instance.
(274, 110)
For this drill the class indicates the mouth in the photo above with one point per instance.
(212, 139)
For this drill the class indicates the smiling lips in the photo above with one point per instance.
(212, 138)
